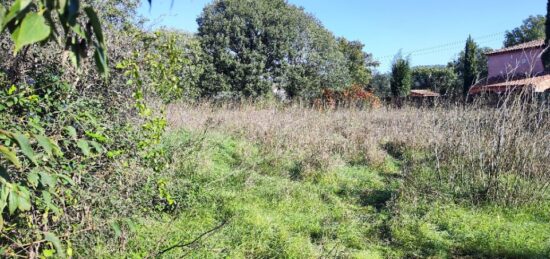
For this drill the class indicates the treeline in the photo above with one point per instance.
(448, 80)
(454, 79)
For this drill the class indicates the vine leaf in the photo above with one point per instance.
(100, 54)
(2, 15)
(13, 201)
(20, 198)
(25, 146)
(98, 148)
(61, 5)
(4, 192)
(33, 29)
(100, 57)
(84, 147)
(96, 24)
(16, 8)
(55, 242)
(71, 131)
(33, 178)
(47, 180)
(47, 198)
(24, 199)
(10, 155)
(45, 143)
(116, 228)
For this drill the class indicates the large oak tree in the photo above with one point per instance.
(255, 46)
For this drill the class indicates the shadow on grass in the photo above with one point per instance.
(376, 198)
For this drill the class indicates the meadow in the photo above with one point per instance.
(262, 135)
(288, 181)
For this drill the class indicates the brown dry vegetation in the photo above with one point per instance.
(499, 154)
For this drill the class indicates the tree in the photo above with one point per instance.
(436, 78)
(401, 79)
(546, 54)
(315, 63)
(255, 46)
(533, 28)
(470, 65)
(458, 64)
(359, 63)
(381, 84)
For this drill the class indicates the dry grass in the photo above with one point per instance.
(496, 154)
(308, 134)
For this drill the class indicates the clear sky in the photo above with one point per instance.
(433, 30)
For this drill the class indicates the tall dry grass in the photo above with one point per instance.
(479, 152)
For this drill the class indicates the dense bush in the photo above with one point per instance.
(61, 139)
(64, 128)
(350, 97)
(439, 79)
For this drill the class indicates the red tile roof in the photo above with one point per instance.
(523, 46)
(538, 84)
(423, 93)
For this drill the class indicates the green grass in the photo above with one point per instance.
(270, 214)
(276, 209)
(450, 229)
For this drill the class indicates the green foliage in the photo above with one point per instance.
(359, 63)
(39, 162)
(175, 65)
(381, 84)
(430, 226)
(169, 66)
(87, 164)
(471, 74)
(56, 137)
(436, 78)
(401, 78)
(162, 70)
(532, 28)
(482, 67)
(239, 37)
(11, 156)
(256, 46)
(33, 29)
(31, 22)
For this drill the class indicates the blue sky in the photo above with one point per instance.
(434, 30)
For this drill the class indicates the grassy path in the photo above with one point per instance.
(273, 209)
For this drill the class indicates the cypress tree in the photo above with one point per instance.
(401, 79)
(546, 54)
(470, 64)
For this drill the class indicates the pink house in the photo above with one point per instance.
(514, 68)
(523, 59)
